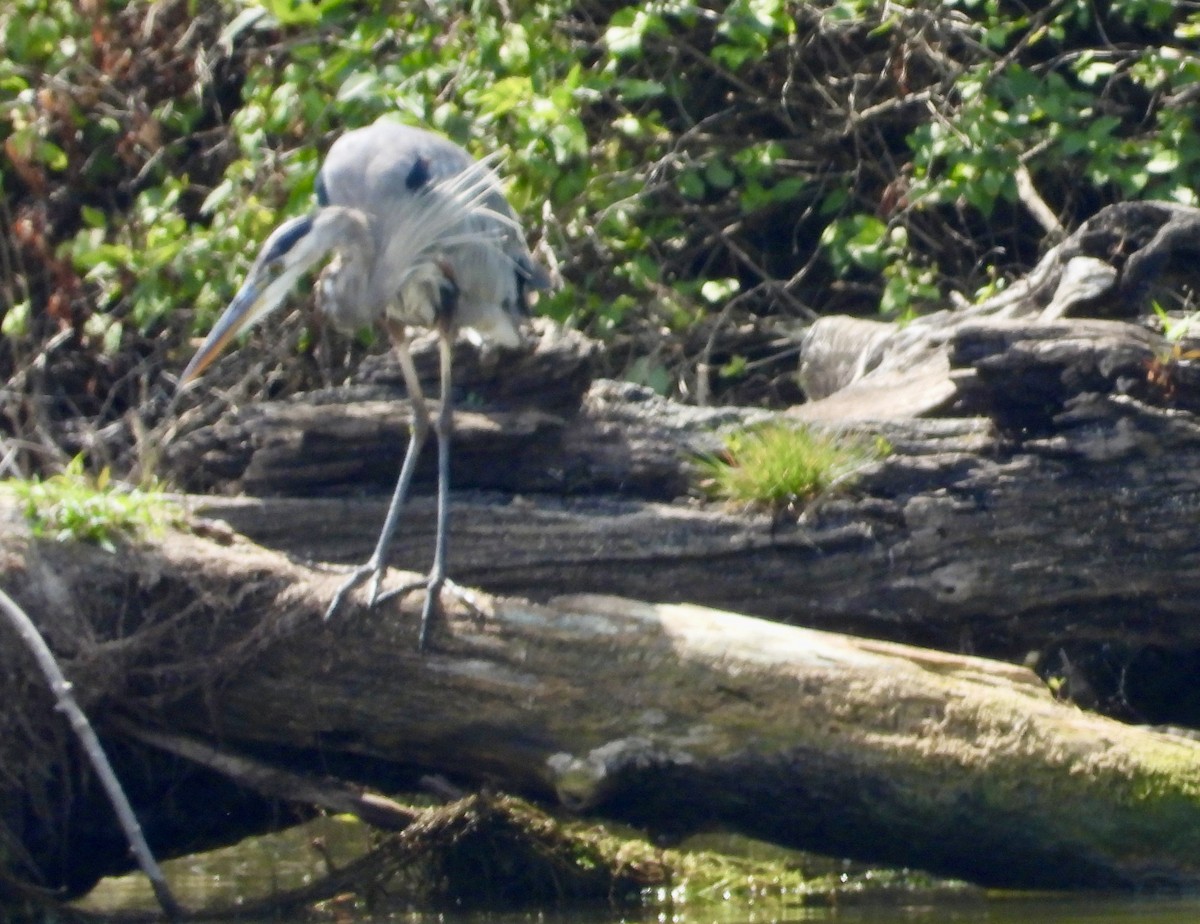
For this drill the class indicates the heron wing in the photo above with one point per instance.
(429, 199)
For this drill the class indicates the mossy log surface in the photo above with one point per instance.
(670, 716)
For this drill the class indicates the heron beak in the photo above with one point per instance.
(244, 308)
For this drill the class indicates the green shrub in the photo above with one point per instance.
(778, 465)
(73, 506)
(798, 158)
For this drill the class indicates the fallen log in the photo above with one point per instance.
(1048, 510)
(670, 716)
(1112, 266)
(1055, 523)
(1038, 504)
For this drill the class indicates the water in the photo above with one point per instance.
(290, 859)
(1065, 910)
(1042, 910)
(1003, 911)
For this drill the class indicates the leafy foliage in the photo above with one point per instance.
(73, 506)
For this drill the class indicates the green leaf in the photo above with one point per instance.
(93, 217)
(735, 368)
(718, 175)
(636, 90)
(16, 320)
(858, 240)
(690, 184)
(628, 28)
(359, 86)
(1165, 160)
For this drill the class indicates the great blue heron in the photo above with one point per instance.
(421, 235)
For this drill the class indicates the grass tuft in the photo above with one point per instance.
(779, 465)
(75, 506)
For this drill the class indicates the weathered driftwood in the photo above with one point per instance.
(1047, 510)
(864, 370)
(616, 438)
(852, 369)
(674, 717)
(1051, 509)
(510, 405)
(1061, 523)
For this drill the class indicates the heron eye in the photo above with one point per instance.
(275, 267)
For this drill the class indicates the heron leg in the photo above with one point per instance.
(443, 426)
(419, 431)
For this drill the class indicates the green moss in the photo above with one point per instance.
(729, 870)
(777, 465)
(500, 852)
(76, 506)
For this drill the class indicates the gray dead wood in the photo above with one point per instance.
(273, 782)
(1041, 500)
(1063, 517)
(1039, 503)
(1112, 264)
(674, 717)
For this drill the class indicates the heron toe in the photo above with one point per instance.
(356, 577)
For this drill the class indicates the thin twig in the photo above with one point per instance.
(1033, 201)
(276, 783)
(61, 688)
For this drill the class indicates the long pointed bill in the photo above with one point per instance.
(289, 250)
(242, 311)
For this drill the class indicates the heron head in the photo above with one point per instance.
(291, 249)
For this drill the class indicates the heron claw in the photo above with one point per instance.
(376, 581)
(356, 577)
(433, 586)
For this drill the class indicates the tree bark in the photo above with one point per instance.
(671, 716)
(1038, 503)
(1057, 521)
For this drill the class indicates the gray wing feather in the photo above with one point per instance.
(429, 199)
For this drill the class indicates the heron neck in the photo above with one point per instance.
(343, 289)
(349, 230)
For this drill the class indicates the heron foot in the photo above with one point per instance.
(357, 576)
(434, 587)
